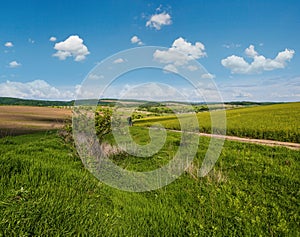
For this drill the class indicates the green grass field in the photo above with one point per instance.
(45, 191)
(275, 122)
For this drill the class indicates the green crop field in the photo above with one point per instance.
(45, 191)
(275, 122)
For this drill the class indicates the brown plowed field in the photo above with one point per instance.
(15, 120)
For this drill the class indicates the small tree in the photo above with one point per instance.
(103, 122)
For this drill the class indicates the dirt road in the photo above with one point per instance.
(290, 145)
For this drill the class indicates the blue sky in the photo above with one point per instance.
(250, 48)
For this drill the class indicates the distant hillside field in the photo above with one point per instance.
(15, 120)
(276, 122)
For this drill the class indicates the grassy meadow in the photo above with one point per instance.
(253, 190)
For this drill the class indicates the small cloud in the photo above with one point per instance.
(261, 44)
(208, 76)
(136, 40)
(8, 44)
(158, 9)
(71, 47)
(52, 39)
(119, 60)
(31, 41)
(260, 63)
(232, 45)
(250, 51)
(14, 64)
(158, 20)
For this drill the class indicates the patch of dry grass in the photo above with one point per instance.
(214, 176)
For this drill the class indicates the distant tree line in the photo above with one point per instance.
(28, 102)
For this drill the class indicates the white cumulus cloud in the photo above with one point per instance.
(8, 44)
(14, 64)
(238, 65)
(37, 89)
(71, 47)
(52, 39)
(136, 40)
(180, 54)
(250, 51)
(158, 20)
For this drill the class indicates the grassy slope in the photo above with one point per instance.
(253, 191)
(276, 122)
